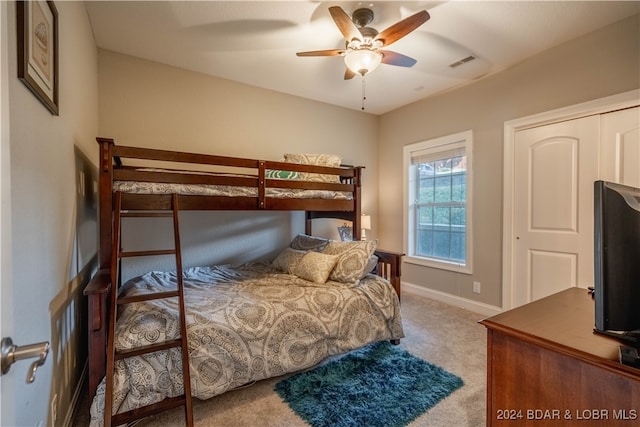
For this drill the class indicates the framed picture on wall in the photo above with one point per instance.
(38, 50)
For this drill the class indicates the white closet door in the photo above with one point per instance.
(554, 170)
(620, 147)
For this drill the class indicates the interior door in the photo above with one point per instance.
(554, 169)
(7, 389)
(20, 403)
(620, 147)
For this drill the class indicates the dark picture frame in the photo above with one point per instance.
(37, 23)
(346, 233)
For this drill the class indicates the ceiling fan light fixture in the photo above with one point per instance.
(362, 61)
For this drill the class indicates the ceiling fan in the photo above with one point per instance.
(363, 52)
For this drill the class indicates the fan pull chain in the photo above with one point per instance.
(364, 95)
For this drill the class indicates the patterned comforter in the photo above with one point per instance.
(244, 323)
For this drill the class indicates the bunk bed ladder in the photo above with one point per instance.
(113, 355)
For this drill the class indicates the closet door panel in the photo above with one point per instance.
(620, 147)
(554, 169)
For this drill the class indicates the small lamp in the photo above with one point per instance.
(365, 224)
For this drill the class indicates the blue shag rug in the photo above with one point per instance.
(378, 385)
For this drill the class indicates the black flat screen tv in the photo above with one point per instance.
(617, 261)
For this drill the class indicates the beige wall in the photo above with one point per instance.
(42, 293)
(148, 104)
(599, 64)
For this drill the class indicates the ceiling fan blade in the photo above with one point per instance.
(402, 28)
(328, 52)
(348, 74)
(395, 58)
(346, 26)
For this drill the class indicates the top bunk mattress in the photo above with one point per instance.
(137, 187)
(165, 186)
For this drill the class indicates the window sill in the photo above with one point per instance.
(441, 265)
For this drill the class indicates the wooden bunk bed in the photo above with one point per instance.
(319, 191)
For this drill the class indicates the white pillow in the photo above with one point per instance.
(371, 265)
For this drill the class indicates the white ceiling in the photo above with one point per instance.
(255, 42)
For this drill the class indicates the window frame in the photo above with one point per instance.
(459, 141)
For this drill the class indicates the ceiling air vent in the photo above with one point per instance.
(462, 61)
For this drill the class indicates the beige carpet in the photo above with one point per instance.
(446, 336)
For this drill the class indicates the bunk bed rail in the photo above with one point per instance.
(135, 164)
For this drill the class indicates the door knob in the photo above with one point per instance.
(11, 353)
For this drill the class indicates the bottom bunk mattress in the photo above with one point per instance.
(244, 323)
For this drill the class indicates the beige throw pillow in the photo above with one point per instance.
(353, 258)
(287, 260)
(315, 266)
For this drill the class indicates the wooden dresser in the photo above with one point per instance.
(546, 367)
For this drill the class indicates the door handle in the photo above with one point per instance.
(11, 353)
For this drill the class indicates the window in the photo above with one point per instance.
(438, 202)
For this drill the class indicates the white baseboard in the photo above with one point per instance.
(467, 304)
(75, 400)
